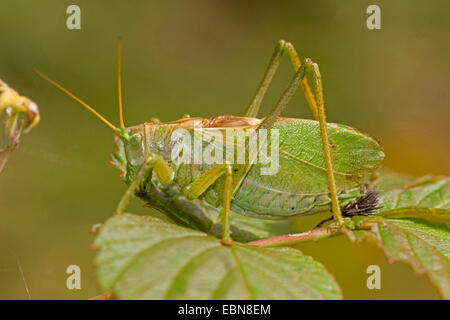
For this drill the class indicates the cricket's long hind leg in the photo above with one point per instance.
(154, 163)
(280, 50)
(312, 69)
(203, 182)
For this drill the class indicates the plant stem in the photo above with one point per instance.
(291, 239)
(104, 296)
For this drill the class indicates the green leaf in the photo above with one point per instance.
(142, 257)
(426, 197)
(424, 245)
(387, 180)
(402, 233)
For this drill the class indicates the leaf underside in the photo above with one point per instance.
(142, 257)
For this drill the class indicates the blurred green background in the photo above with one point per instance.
(204, 58)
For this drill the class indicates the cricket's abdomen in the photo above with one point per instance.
(300, 186)
(252, 200)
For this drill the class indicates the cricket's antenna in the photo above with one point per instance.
(70, 94)
(119, 79)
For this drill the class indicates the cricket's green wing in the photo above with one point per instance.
(300, 186)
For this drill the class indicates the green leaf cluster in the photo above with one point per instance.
(143, 257)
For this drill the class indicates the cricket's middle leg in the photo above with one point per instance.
(203, 182)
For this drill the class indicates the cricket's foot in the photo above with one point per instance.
(226, 242)
(345, 226)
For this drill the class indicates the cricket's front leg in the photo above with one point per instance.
(203, 182)
(155, 163)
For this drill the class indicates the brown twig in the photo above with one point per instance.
(291, 239)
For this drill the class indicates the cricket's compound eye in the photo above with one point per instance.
(136, 138)
(134, 150)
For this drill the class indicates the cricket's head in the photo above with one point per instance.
(130, 153)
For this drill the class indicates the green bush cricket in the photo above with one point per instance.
(321, 165)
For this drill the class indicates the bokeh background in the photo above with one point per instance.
(204, 58)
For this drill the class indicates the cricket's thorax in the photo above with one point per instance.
(300, 185)
(161, 139)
